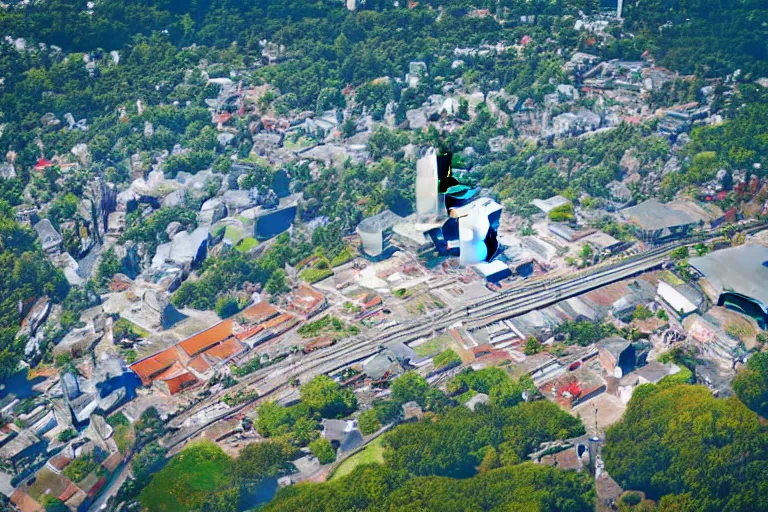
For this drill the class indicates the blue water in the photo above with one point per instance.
(19, 385)
(259, 495)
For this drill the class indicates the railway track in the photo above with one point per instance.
(509, 303)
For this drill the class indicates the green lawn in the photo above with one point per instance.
(670, 278)
(188, 479)
(433, 346)
(301, 142)
(313, 275)
(233, 234)
(373, 453)
(343, 257)
(246, 244)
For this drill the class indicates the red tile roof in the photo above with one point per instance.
(24, 502)
(42, 164)
(60, 461)
(225, 350)
(222, 118)
(199, 364)
(482, 349)
(176, 378)
(67, 493)
(258, 312)
(285, 317)
(318, 343)
(207, 338)
(112, 462)
(249, 331)
(147, 369)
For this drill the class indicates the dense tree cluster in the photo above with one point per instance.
(230, 272)
(709, 37)
(432, 465)
(27, 276)
(751, 384)
(690, 450)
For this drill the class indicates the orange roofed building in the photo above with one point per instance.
(185, 364)
(307, 301)
(176, 378)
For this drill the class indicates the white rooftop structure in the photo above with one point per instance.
(674, 299)
(547, 205)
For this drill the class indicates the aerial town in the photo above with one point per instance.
(212, 270)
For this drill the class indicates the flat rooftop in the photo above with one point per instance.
(380, 222)
(547, 205)
(652, 215)
(742, 270)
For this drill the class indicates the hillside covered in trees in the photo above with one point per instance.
(458, 460)
(690, 450)
(26, 277)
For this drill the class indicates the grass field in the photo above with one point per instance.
(433, 346)
(246, 244)
(670, 278)
(373, 453)
(233, 234)
(313, 275)
(188, 479)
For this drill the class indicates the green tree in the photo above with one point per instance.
(408, 387)
(67, 435)
(445, 359)
(273, 419)
(751, 384)
(53, 504)
(109, 265)
(563, 213)
(668, 430)
(324, 395)
(148, 461)
(323, 450)
(259, 460)
(368, 422)
(226, 306)
(532, 346)
(490, 460)
(189, 479)
(680, 253)
(276, 283)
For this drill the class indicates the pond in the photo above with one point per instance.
(19, 385)
(259, 495)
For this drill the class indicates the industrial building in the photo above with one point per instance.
(656, 222)
(736, 278)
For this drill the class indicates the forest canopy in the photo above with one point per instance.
(690, 450)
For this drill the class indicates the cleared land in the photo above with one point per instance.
(188, 479)
(372, 454)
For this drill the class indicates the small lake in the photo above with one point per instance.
(19, 385)
(259, 495)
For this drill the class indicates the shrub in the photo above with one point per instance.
(562, 213)
(226, 306)
(368, 422)
(81, 467)
(67, 435)
(446, 359)
(323, 450)
(642, 313)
